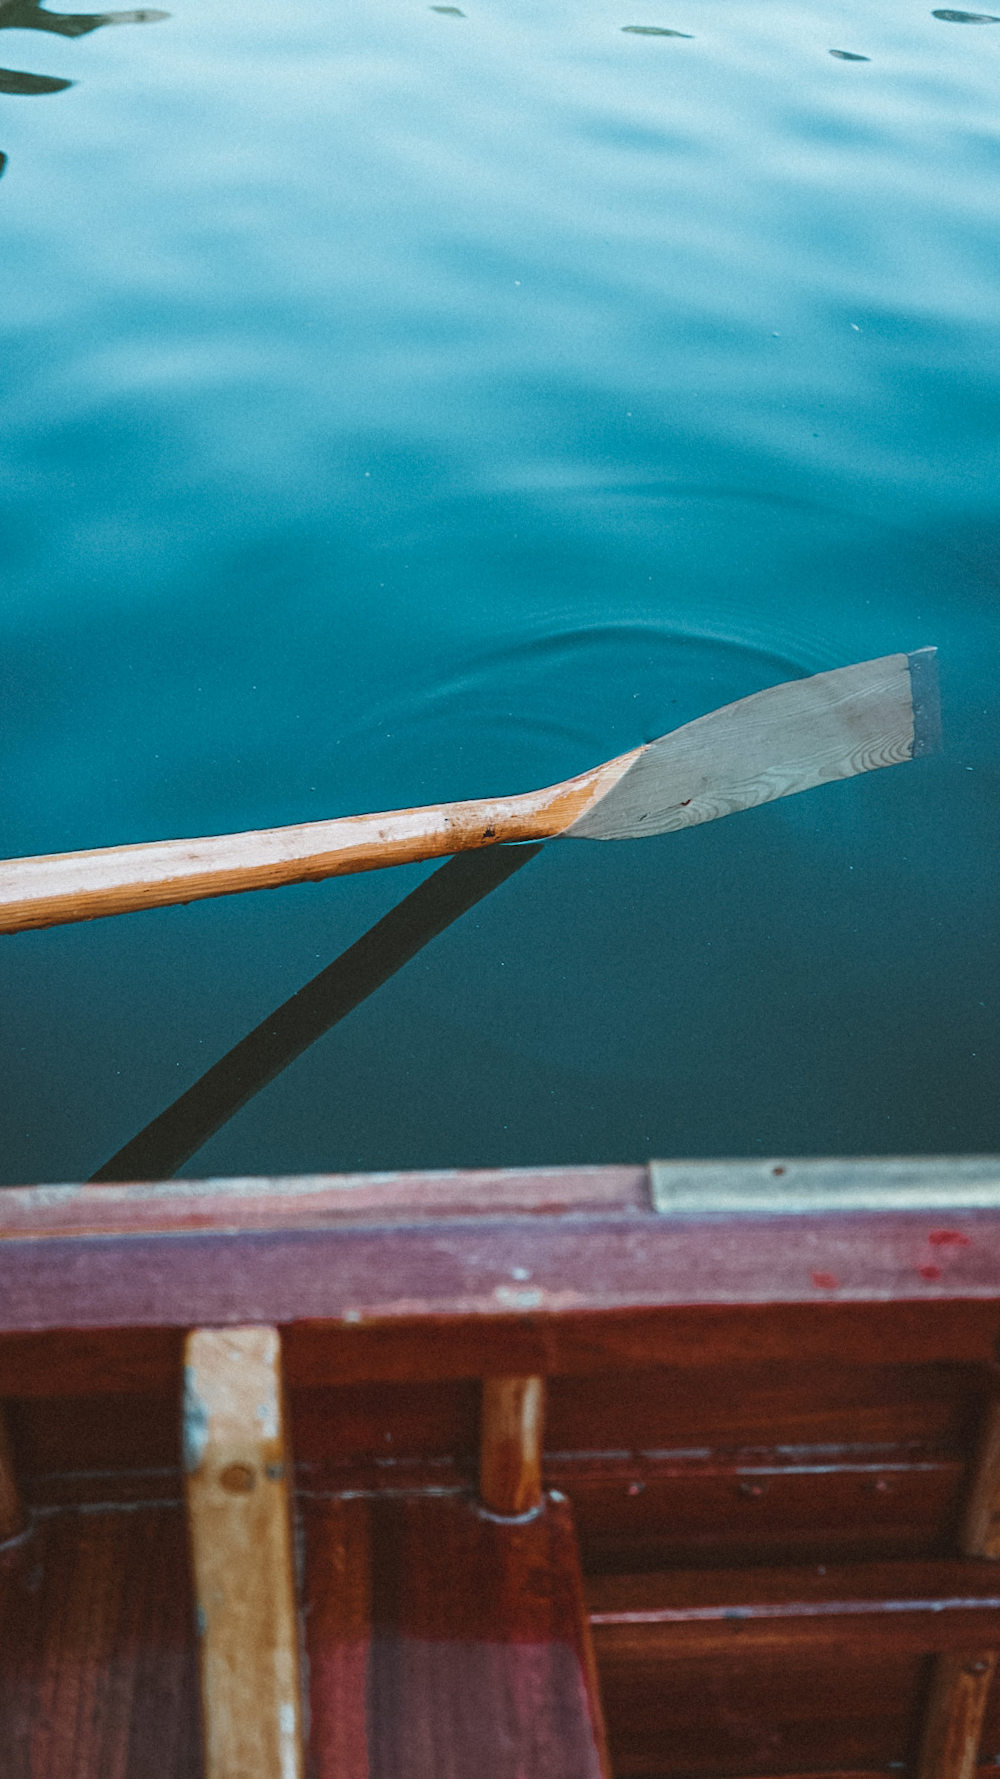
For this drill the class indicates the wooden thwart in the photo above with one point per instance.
(237, 1491)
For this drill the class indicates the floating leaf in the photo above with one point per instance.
(965, 18)
(848, 55)
(655, 31)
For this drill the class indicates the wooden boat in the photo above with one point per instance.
(683, 1470)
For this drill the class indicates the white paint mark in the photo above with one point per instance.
(517, 1300)
(195, 1423)
(267, 1415)
(288, 1742)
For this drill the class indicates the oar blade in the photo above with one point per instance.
(786, 739)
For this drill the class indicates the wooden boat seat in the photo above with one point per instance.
(465, 1469)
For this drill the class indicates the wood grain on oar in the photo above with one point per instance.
(788, 738)
(69, 886)
(785, 739)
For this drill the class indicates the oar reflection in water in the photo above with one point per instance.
(173, 1137)
(27, 15)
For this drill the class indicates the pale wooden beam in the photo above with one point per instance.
(510, 1447)
(239, 1520)
(981, 1529)
(954, 1715)
(12, 1516)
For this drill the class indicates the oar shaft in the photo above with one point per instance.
(785, 739)
(64, 887)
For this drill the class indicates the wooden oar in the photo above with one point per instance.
(785, 739)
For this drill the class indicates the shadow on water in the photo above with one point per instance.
(230, 1084)
(27, 15)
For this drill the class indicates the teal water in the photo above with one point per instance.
(399, 405)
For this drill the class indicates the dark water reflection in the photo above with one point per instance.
(27, 15)
(394, 412)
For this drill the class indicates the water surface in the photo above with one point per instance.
(404, 403)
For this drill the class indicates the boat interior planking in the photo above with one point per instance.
(567, 1472)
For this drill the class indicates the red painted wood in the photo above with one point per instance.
(443, 1642)
(553, 1265)
(97, 1657)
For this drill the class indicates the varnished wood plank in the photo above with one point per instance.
(63, 1360)
(747, 1670)
(442, 1641)
(339, 1631)
(762, 1462)
(954, 1714)
(239, 1522)
(939, 1586)
(12, 1520)
(111, 1361)
(582, 1343)
(932, 1408)
(920, 1607)
(758, 1509)
(839, 1461)
(98, 1668)
(101, 1435)
(750, 1710)
(783, 740)
(510, 1451)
